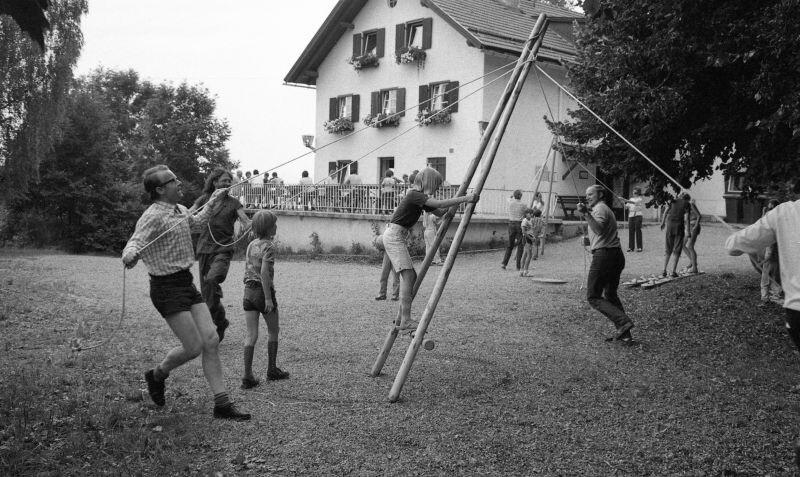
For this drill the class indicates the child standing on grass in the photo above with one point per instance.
(418, 198)
(259, 297)
(528, 240)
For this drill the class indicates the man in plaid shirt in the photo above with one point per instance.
(168, 259)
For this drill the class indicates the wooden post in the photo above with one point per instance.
(549, 198)
(447, 219)
(541, 174)
(441, 281)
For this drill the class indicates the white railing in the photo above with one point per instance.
(362, 199)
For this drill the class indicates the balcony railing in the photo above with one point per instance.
(362, 199)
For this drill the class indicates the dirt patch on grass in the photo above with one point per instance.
(521, 381)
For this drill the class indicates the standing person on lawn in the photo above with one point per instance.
(692, 231)
(770, 269)
(386, 269)
(169, 260)
(608, 261)
(516, 211)
(676, 219)
(259, 297)
(635, 207)
(215, 246)
(418, 198)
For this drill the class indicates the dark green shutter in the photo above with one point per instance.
(452, 96)
(354, 116)
(399, 38)
(424, 97)
(427, 33)
(401, 101)
(334, 109)
(380, 43)
(375, 103)
(357, 44)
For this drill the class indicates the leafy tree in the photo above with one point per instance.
(690, 83)
(33, 88)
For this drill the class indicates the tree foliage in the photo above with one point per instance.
(114, 127)
(695, 85)
(33, 88)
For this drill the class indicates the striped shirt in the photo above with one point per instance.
(516, 210)
(173, 252)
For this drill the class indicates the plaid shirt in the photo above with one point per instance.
(173, 252)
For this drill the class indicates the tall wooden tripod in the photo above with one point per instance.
(491, 140)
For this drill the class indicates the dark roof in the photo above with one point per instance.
(486, 24)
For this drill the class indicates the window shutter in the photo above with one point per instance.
(427, 33)
(357, 44)
(424, 97)
(375, 103)
(452, 96)
(401, 101)
(399, 37)
(380, 43)
(333, 112)
(354, 116)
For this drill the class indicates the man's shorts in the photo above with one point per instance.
(395, 238)
(674, 238)
(174, 293)
(254, 297)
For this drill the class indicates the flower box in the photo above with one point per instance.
(411, 54)
(338, 125)
(381, 120)
(368, 60)
(425, 117)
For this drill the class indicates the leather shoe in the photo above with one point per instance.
(229, 411)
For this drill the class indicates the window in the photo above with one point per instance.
(388, 101)
(345, 106)
(392, 3)
(416, 33)
(369, 42)
(439, 163)
(734, 183)
(384, 164)
(438, 96)
(338, 170)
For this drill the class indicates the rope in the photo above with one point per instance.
(119, 322)
(662, 171)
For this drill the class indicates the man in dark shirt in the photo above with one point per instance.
(676, 220)
(216, 245)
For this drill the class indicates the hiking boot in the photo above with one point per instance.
(155, 388)
(380, 297)
(229, 411)
(221, 327)
(248, 383)
(276, 374)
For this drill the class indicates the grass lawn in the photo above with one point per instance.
(521, 381)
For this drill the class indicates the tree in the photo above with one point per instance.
(33, 88)
(690, 83)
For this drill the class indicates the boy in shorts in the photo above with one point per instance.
(168, 259)
(259, 297)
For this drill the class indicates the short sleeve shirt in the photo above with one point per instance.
(221, 225)
(407, 213)
(678, 210)
(258, 252)
(607, 236)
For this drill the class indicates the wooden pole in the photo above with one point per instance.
(462, 190)
(541, 174)
(549, 198)
(441, 281)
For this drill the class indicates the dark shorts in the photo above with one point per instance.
(254, 297)
(694, 232)
(674, 238)
(174, 293)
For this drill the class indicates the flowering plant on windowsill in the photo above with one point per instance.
(425, 117)
(338, 125)
(411, 54)
(381, 120)
(367, 60)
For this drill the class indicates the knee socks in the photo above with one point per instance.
(159, 374)
(272, 353)
(222, 399)
(248, 361)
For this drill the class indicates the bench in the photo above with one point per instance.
(570, 203)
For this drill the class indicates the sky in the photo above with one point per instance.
(240, 50)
